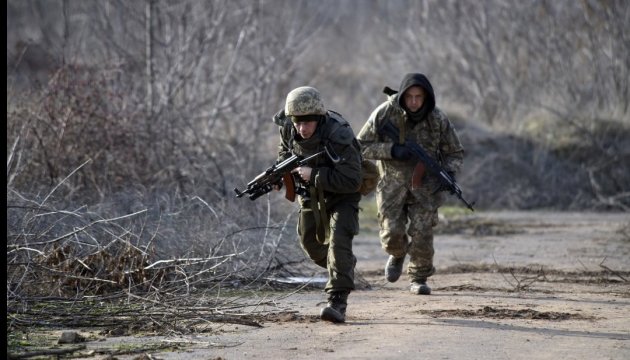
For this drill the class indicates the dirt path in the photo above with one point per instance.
(510, 285)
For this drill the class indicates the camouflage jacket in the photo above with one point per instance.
(435, 134)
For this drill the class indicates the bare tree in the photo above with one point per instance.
(176, 97)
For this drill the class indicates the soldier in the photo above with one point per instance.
(407, 209)
(329, 198)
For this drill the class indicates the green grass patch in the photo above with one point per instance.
(368, 215)
(453, 211)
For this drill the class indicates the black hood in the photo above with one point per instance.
(417, 79)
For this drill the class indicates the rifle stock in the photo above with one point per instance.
(445, 179)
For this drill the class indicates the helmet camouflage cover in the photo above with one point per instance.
(303, 101)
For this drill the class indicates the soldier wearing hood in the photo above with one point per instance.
(408, 197)
(329, 196)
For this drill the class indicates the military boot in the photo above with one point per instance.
(336, 309)
(420, 287)
(393, 268)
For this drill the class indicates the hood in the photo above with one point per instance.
(417, 79)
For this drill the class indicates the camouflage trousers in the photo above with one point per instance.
(406, 228)
(335, 254)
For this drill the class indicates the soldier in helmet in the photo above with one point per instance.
(329, 198)
(408, 209)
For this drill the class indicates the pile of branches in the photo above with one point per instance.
(137, 270)
(76, 253)
(126, 314)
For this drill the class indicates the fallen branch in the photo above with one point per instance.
(187, 261)
(612, 271)
(525, 282)
(57, 352)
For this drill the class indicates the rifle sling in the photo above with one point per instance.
(318, 206)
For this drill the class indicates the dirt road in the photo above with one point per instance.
(515, 285)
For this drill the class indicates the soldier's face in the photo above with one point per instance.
(306, 129)
(414, 98)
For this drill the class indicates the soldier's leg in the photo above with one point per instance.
(421, 249)
(392, 216)
(306, 230)
(344, 225)
(393, 225)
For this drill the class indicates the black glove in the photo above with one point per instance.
(452, 175)
(401, 152)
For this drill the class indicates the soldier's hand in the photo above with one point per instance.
(304, 172)
(401, 152)
(277, 186)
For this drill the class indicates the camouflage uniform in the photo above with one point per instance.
(336, 185)
(406, 215)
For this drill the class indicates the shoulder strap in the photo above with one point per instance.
(341, 123)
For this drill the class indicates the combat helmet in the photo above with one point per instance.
(304, 100)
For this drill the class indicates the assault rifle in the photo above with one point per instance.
(446, 180)
(276, 175)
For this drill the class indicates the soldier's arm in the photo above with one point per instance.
(344, 176)
(373, 146)
(450, 145)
